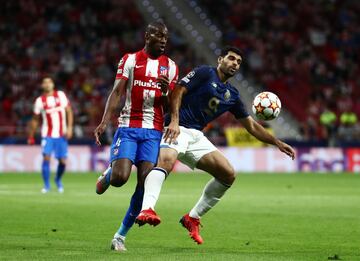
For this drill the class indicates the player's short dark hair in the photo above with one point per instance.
(228, 49)
(156, 24)
(47, 76)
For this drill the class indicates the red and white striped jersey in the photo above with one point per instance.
(52, 109)
(143, 105)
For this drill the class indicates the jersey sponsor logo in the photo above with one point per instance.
(150, 84)
(54, 109)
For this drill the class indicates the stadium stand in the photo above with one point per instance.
(288, 47)
(80, 44)
(302, 45)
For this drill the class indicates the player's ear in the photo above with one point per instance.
(220, 59)
(147, 35)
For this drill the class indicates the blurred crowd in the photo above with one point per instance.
(305, 51)
(79, 43)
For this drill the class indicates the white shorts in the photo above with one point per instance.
(191, 145)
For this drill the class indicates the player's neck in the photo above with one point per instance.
(223, 77)
(148, 51)
(49, 93)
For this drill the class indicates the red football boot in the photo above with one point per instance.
(103, 182)
(148, 216)
(192, 225)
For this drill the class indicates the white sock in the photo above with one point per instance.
(117, 235)
(212, 194)
(153, 184)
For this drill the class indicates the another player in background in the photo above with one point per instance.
(140, 90)
(57, 128)
(200, 97)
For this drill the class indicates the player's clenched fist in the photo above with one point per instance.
(164, 83)
(98, 131)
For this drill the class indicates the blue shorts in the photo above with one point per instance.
(136, 144)
(57, 145)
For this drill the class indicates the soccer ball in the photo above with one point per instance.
(266, 106)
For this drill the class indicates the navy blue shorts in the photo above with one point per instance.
(136, 144)
(57, 145)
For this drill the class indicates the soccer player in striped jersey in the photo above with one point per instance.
(141, 87)
(57, 128)
(200, 97)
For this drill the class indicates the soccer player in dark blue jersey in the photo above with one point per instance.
(200, 97)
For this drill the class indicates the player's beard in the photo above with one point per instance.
(155, 51)
(229, 75)
(226, 72)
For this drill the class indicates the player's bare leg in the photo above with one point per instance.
(120, 173)
(153, 184)
(224, 175)
(117, 175)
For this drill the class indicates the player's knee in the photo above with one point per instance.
(117, 178)
(47, 157)
(230, 176)
(166, 162)
(62, 162)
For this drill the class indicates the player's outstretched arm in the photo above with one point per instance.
(263, 135)
(113, 102)
(173, 130)
(33, 124)
(70, 122)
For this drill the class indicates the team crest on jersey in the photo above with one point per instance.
(214, 85)
(116, 151)
(227, 95)
(164, 70)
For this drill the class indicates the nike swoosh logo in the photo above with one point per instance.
(139, 66)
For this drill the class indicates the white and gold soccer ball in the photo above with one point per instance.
(266, 106)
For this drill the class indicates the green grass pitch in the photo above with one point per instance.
(262, 217)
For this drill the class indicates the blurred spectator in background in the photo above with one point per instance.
(328, 119)
(349, 128)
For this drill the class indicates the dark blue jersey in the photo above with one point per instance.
(207, 98)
